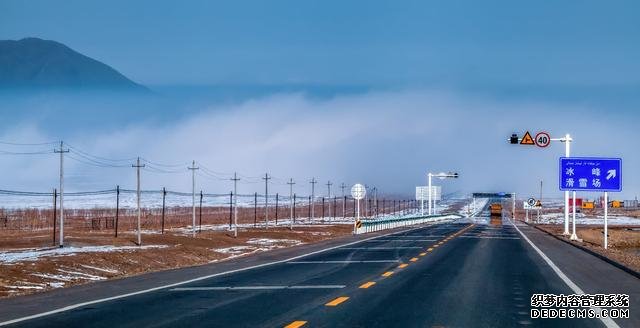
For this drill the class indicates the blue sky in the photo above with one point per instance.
(303, 88)
(489, 44)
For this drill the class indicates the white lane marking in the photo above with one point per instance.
(340, 262)
(401, 240)
(608, 322)
(149, 290)
(380, 248)
(186, 289)
(489, 237)
(429, 236)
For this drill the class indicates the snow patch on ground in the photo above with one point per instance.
(31, 254)
(269, 241)
(255, 245)
(99, 269)
(581, 219)
(233, 249)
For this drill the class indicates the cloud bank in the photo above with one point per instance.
(388, 139)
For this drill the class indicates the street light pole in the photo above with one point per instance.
(440, 176)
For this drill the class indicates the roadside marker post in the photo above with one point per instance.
(591, 174)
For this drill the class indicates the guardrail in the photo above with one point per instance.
(371, 225)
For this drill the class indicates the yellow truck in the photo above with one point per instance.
(496, 209)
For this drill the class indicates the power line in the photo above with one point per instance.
(4, 152)
(28, 144)
(78, 150)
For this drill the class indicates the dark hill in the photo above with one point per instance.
(37, 63)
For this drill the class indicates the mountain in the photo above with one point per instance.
(37, 63)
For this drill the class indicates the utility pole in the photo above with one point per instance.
(344, 199)
(313, 198)
(266, 198)
(291, 183)
(193, 169)
(329, 184)
(235, 180)
(61, 151)
(138, 166)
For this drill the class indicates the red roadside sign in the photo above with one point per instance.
(542, 139)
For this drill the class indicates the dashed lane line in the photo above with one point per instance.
(296, 324)
(367, 285)
(337, 301)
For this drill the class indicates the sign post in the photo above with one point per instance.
(530, 204)
(543, 140)
(358, 191)
(591, 174)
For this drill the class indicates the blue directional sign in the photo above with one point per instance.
(590, 174)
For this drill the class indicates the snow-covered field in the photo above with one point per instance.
(148, 199)
(558, 218)
(34, 254)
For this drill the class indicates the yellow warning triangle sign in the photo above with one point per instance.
(527, 139)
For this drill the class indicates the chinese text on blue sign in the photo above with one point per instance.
(590, 174)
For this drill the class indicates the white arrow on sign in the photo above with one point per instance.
(611, 174)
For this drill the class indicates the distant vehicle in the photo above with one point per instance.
(496, 209)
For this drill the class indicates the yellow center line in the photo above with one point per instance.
(387, 274)
(434, 246)
(402, 266)
(296, 324)
(413, 259)
(430, 249)
(423, 254)
(367, 285)
(337, 301)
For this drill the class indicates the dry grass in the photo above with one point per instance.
(180, 251)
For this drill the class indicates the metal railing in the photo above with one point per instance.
(390, 222)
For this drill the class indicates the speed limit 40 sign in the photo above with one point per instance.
(542, 139)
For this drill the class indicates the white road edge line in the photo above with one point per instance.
(184, 289)
(608, 322)
(343, 262)
(489, 237)
(402, 240)
(373, 248)
(149, 290)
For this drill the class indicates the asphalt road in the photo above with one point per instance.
(447, 275)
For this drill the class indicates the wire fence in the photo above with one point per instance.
(115, 210)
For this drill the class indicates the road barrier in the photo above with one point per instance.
(390, 222)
